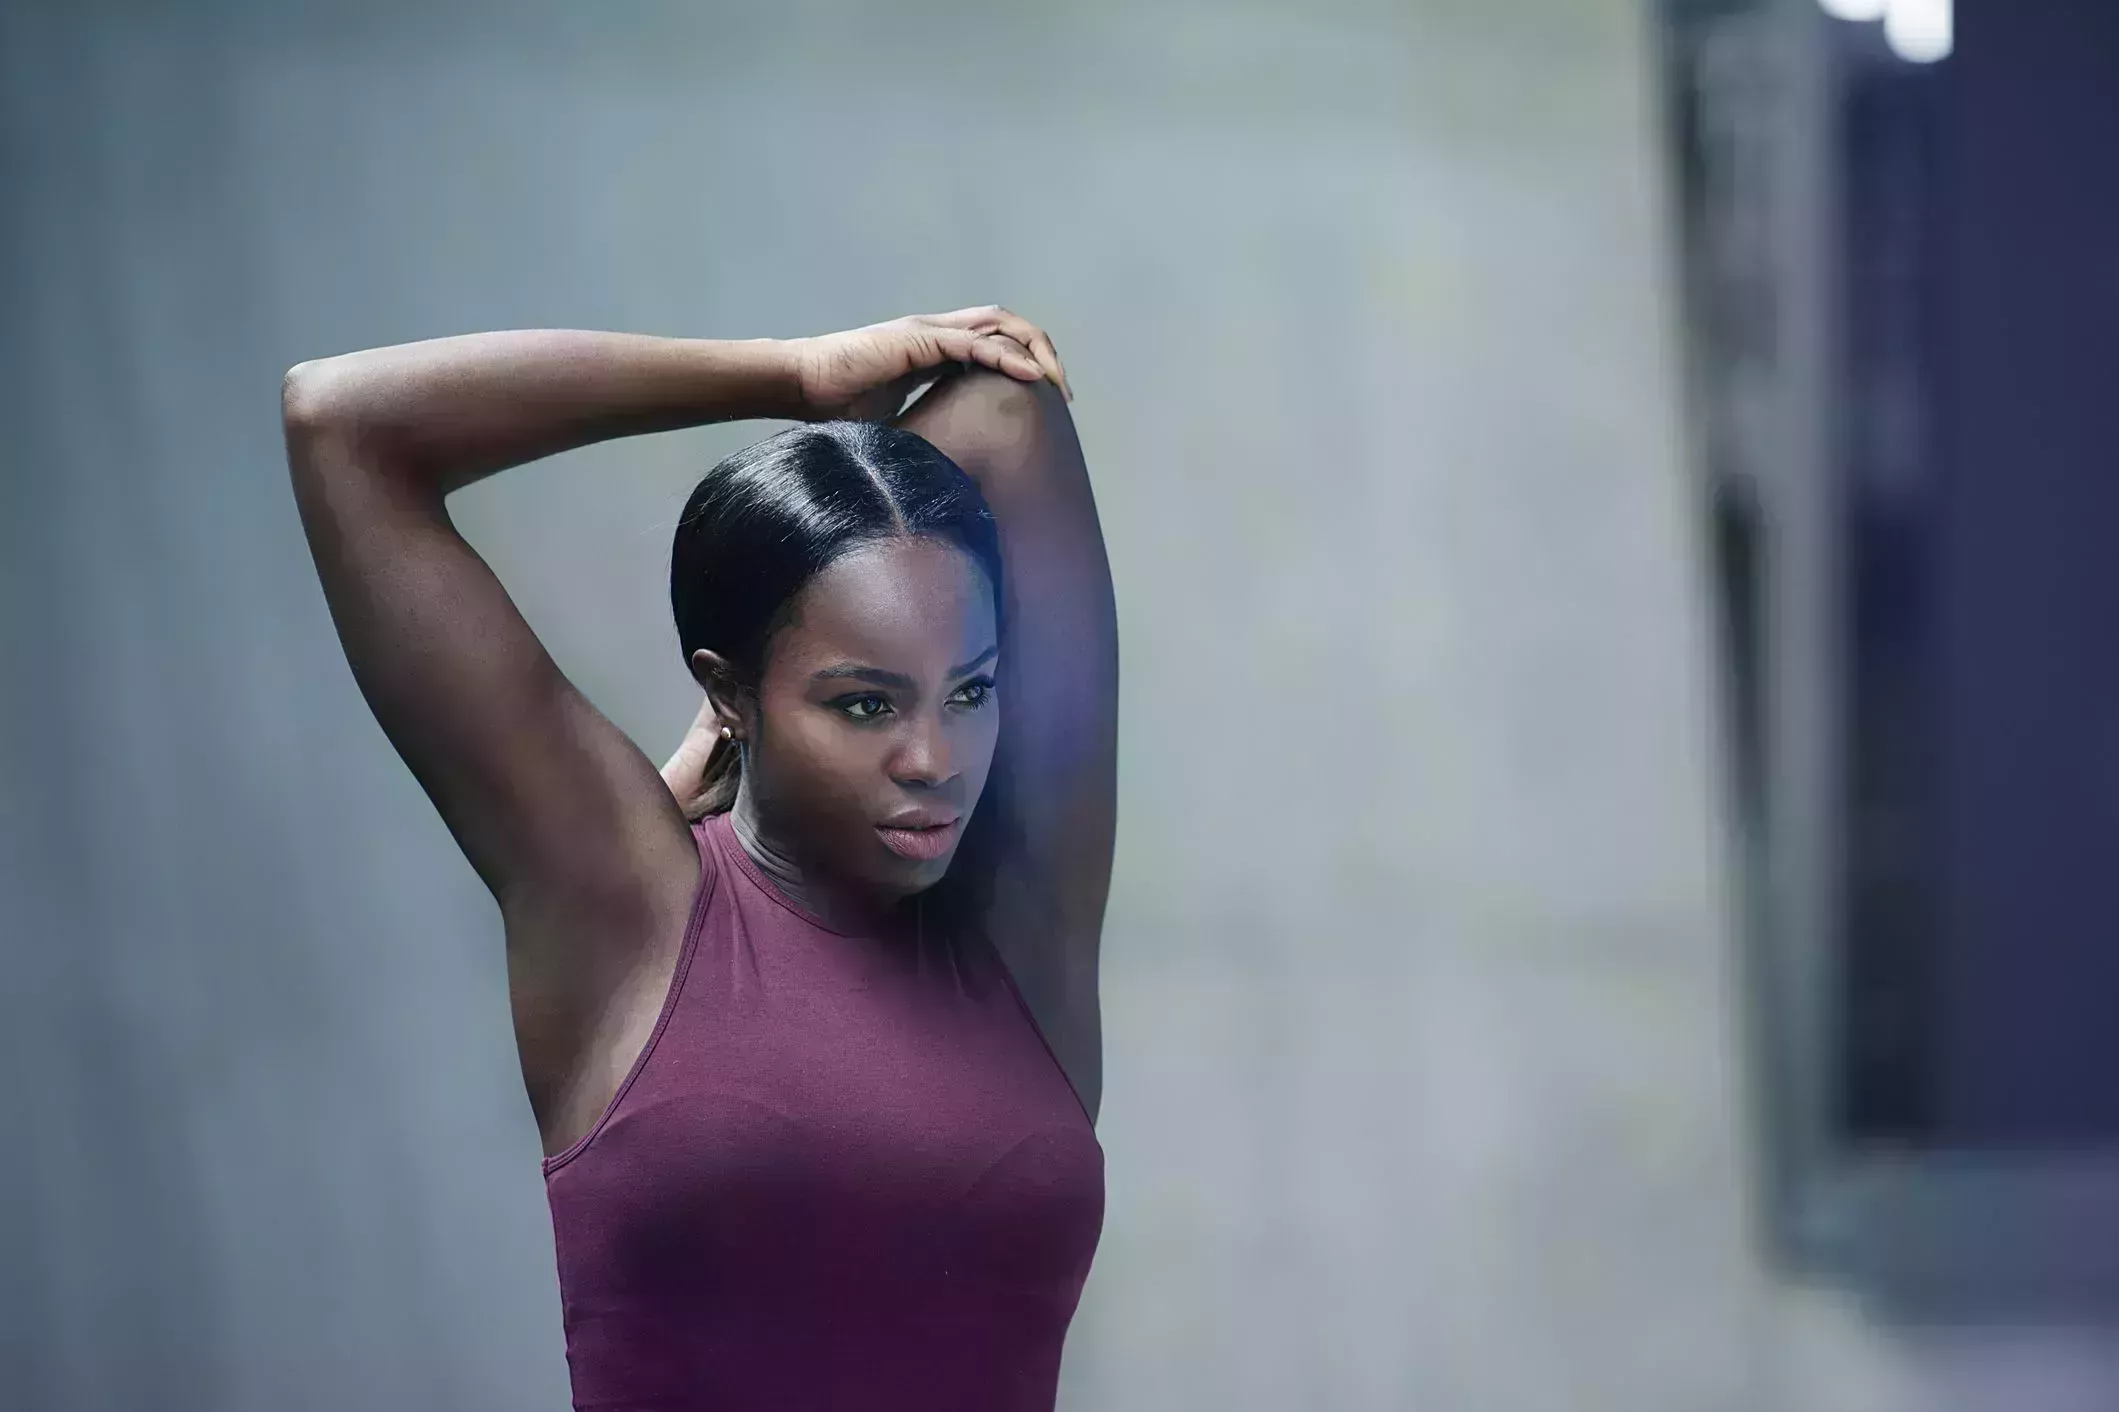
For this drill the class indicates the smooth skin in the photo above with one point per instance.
(577, 835)
(880, 698)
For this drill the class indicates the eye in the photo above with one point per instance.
(855, 706)
(976, 693)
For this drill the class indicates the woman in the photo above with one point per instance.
(817, 1123)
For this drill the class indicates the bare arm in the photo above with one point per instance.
(449, 411)
(1058, 687)
(568, 824)
(529, 778)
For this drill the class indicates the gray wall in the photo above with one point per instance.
(1421, 1080)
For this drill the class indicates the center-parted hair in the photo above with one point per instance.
(769, 518)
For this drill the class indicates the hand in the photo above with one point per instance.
(685, 773)
(865, 374)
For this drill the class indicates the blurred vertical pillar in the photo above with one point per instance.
(2028, 444)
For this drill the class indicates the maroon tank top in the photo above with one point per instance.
(845, 1172)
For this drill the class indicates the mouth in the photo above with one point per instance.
(924, 842)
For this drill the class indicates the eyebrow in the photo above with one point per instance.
(855, 671)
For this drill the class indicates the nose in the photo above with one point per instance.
(923, 755)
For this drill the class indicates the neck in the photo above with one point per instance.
(842, 907)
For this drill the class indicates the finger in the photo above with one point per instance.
(1033, 341)
(1003, 354)
(705, 726)
(951, 344)
(697, 745)
(683, 771)
(968, 343)
(1038, 348)
(992, 318)
(1048, 357)
(980, 318)
(979, 348)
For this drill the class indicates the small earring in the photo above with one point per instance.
(727, 734)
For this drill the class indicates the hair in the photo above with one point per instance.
(768, 519)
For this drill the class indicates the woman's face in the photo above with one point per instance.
(876, 716)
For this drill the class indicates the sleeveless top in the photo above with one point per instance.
(845, 1172)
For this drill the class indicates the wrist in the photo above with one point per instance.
(782, 359)
(768, 370)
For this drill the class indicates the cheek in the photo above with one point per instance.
(822, 761)
(978, 742)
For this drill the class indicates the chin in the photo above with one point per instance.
(907, 876)
(916, 876)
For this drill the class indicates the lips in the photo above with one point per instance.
(923, 842)
(919, 819)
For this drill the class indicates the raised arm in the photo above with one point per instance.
(567, 823)
(549, 801)
(1057, 759)
(571, 828)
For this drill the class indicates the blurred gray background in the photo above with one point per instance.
(1425, 1083)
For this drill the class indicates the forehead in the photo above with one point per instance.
(915, 604)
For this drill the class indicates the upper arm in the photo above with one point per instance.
(559, 813)
(1057, 759)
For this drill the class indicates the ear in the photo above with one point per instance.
(724, 689)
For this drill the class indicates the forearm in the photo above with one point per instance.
(451, 411)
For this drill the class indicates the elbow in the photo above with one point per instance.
(324, 424)
(322, 407)
(333, 426)
(995, 423)
(1010, 405)
(1027, 430)
(307, 402)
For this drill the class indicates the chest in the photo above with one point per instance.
(918, 1046)
(845, 1108)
